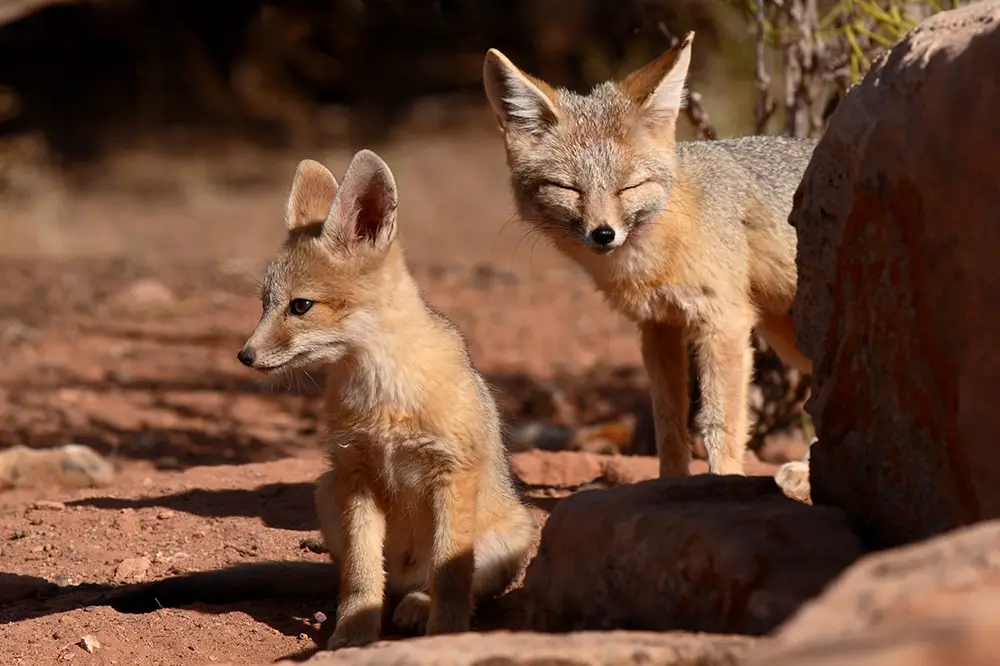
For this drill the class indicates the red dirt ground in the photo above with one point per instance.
(120, 317)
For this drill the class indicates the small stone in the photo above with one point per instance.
(50, 505)
(319, 617)
(145, 292)
(313, 545)
(166, 514)
(132, 568)
(127, 522)
(89, 643)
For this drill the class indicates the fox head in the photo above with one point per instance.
(589, 170)
(322, 292)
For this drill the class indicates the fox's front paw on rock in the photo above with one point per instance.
(353, 633)
(337, 641)
(793, 479)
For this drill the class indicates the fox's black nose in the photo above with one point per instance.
(245, 356)
(602, 235)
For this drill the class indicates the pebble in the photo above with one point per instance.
(132, 567)
(50, 505)
(89, 643)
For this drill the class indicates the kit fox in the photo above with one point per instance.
(688, 239)
(419, 474)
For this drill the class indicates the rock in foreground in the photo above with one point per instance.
(936, 602)
(517, 649)
(898, 228)
(722, 554)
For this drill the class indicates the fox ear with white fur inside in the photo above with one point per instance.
(520, 101)
(658, 89)
(363, 214)
(313, 191)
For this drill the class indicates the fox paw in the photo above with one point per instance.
(338, 641)
(793, 479)
(412, 612)
(356, 630)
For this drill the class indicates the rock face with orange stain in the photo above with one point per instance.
(899, 281)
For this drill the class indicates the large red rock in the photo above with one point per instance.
(936, 603)
(899, 228)
(723, 554)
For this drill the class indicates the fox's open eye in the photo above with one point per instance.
(300, 306)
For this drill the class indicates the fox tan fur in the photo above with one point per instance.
(420, 500)
(690, 240)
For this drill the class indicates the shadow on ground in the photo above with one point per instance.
(286, 506)
(287, 596)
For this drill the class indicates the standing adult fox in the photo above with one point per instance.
(688, 239)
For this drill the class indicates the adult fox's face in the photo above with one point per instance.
(590, 170)
(322, 291)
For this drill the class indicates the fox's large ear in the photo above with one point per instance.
(520, 101)
(313, 190)
(364, 211)
(658, 88)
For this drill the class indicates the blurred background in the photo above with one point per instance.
(147, 146)
(119, 114)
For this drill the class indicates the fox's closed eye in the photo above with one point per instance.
(635, 185)
(560, 185)
(300, 306)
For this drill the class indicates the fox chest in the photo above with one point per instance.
(646, 301)
(407, 465)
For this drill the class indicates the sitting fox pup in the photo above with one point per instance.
(688, 239)
(419, 474)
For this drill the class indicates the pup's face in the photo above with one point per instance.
(321, 292)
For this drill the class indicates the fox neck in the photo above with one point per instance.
(648, 277)
(380, 375)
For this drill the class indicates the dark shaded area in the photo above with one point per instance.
(279, 594)
(244, 582)
(17, 587)
(241, 587)
(91, 75)
(286, 506)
